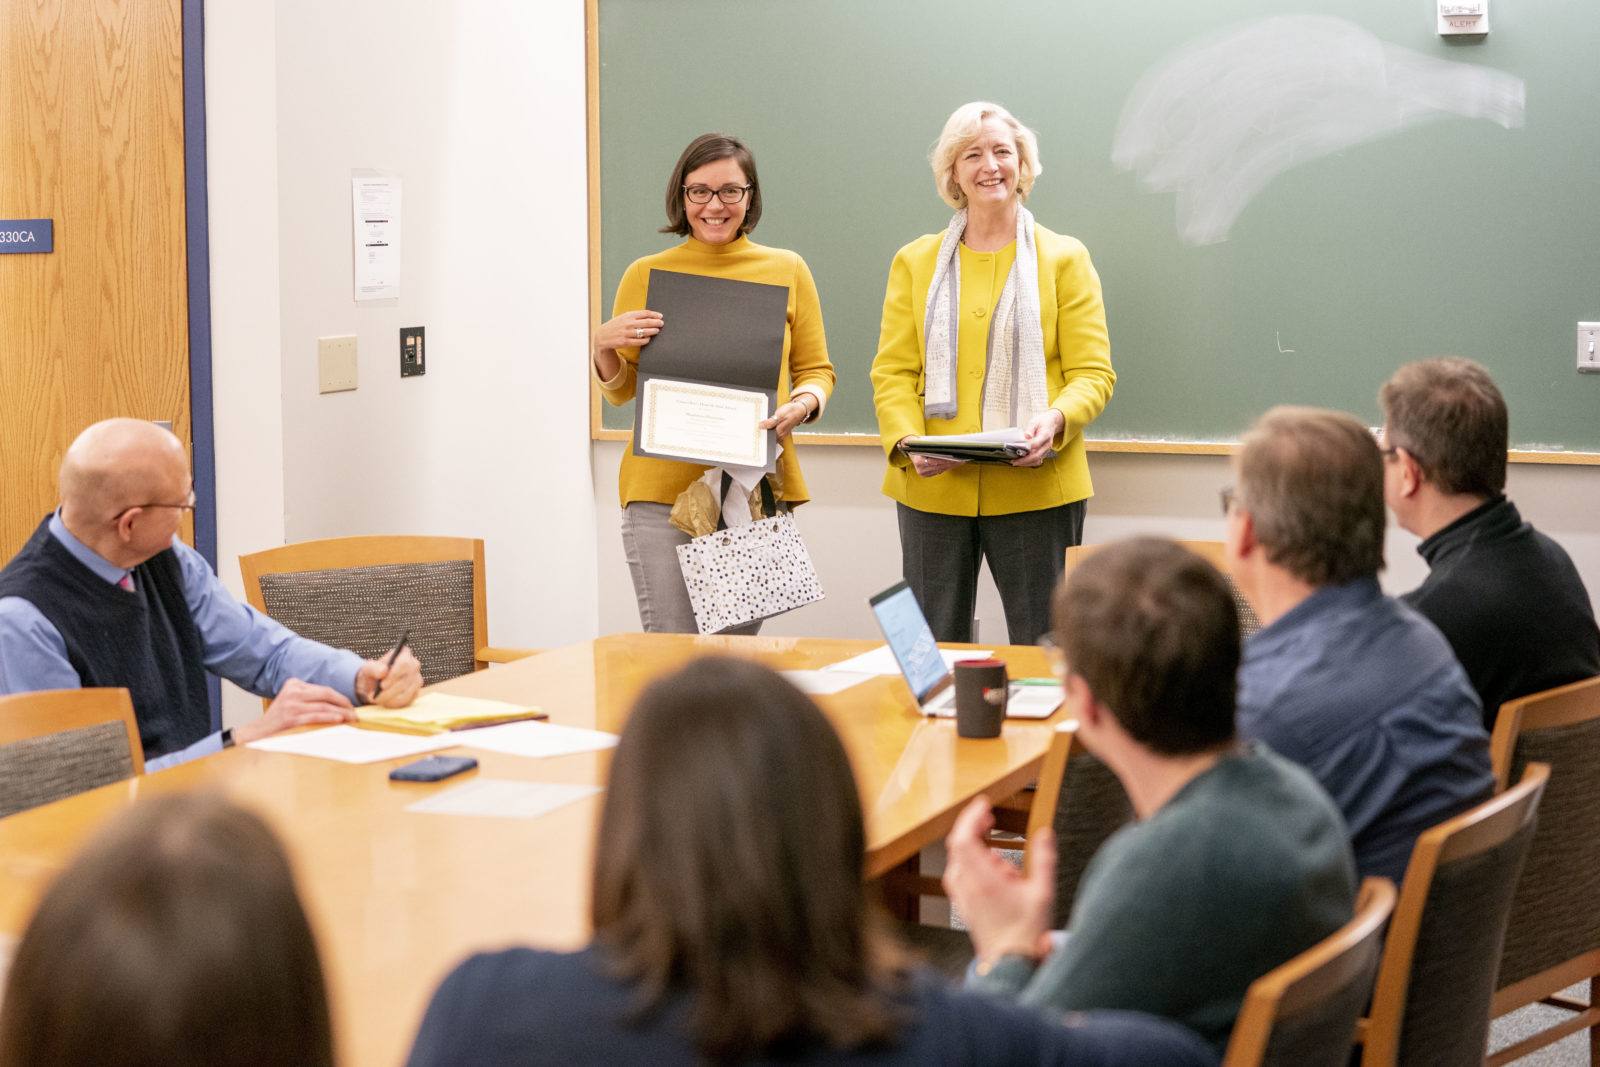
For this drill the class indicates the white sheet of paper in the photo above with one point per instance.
(503, 799)
(350, 745)
(881, 661)
(825, 682)
(536, 739)
(375, 207)
(706, 423)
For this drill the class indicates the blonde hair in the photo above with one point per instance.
(963, 127)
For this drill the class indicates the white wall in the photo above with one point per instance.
(850, 529)
(479, 107)
(242, 177)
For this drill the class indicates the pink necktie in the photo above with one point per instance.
(127, 582)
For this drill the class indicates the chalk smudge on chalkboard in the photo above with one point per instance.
(1219, 118)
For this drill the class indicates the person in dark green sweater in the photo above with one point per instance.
(1238, 860)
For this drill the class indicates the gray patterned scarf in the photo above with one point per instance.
(1014, 387)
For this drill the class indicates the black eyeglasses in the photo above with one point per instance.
(1225, 494)
(728, 194)
(1389, 452)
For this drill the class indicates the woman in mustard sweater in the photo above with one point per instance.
(713, 199)
(994, 323)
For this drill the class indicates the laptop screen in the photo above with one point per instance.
(906, 630)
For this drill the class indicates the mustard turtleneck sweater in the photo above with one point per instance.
(805, 352)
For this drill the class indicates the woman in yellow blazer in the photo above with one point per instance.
(994, 323)
(713, 199)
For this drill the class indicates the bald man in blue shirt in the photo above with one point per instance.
(105, 594)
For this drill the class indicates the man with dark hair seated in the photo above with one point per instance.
(1505, 596)
(1353, 685)
(1238, 861)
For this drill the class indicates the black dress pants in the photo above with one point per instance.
(1026, 551)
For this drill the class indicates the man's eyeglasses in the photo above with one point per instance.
(188, 505)
(1226, 494)
(728, 194)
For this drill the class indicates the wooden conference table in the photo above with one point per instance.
(397, 898)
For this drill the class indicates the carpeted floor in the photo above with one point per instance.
(1570, 1052)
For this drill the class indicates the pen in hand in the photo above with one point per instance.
(377, 687)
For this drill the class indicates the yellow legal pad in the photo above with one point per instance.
(435, 713)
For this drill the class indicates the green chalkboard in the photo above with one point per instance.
(1429, 233)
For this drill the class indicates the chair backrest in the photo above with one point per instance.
(1210, 551)
(58, 742)
(1431, 1007)
(1303, 1013)
(1555, 916)
(361, 593)
(1088, 806)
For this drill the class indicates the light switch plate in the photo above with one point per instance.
(336, 364)
(413, 356)
(1589, 347)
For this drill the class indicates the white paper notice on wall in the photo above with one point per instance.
(375, 207)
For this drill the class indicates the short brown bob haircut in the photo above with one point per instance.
(708, 148)
(1449, 416)
(175, 939)
(1152, 628)
(728, 868)
(1312, 482)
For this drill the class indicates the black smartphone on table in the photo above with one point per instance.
(432, 769)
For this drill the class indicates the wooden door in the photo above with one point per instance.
(91, 135)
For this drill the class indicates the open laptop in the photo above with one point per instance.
(910, 638)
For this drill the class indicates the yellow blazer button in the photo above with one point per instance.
(979, 312)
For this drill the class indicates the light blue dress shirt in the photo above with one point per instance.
(241, 644)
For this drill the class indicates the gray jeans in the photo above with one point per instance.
(650, 543)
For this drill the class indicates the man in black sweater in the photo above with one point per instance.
(1507, 597)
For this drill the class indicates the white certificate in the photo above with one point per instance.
(705, 423)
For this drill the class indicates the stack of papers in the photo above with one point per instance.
(349, 745)
(435, 713)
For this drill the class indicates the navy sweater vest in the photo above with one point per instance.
(145, 641)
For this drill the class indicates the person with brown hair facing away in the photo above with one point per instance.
(1238, 860)
(1505, 596)
(1353, 685)
(731, 922)
(175, 939)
